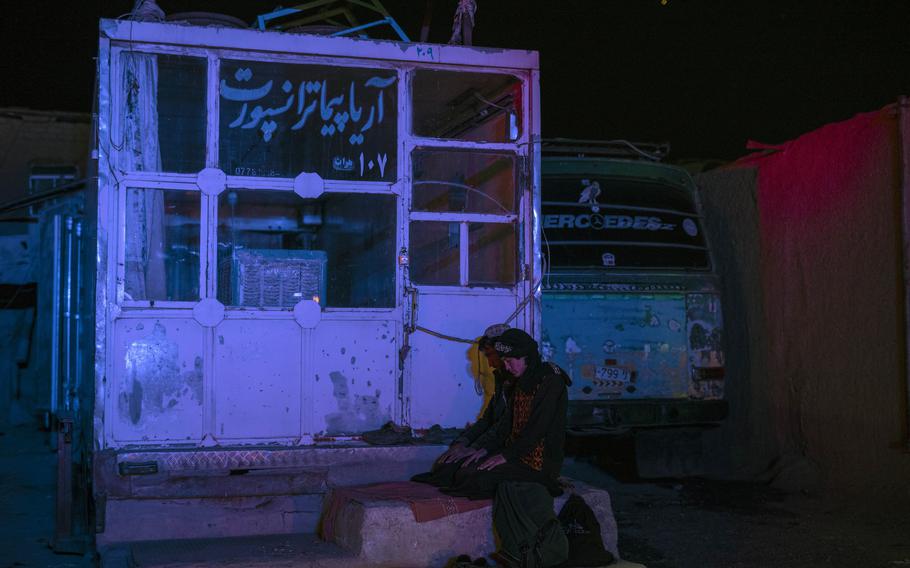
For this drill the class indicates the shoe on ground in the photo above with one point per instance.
(390, 434)
(436, 434)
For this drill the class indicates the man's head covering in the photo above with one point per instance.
(495, 330)
(516, 343)
(491, 333)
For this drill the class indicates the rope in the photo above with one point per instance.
(471, 341)
(523, 303)
(478, 379)
(491, 103)
(444, 336)
(466, 188)
(147, 11)
(639, 151)
(466, 9)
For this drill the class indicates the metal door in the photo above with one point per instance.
(470, 192)
(466, 271)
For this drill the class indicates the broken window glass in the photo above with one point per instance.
(276, 249)
(476, 107)
(281, 119)
(492, 254)
(464, 181)
(163, 117)
(161, 252)
(435, 253)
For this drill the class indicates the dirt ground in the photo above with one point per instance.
(699, 523)
(28, 480)
(662, 524)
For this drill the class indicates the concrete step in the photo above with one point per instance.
(238, 492)
(272, 551)
(385, 533)
(368, 533)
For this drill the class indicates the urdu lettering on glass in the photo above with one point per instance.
(279, 119)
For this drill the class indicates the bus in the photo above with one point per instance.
(631, 302)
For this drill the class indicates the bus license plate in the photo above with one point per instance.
(612, 374)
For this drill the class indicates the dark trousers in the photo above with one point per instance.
(529, 533)
(470, 482)
(442, 474)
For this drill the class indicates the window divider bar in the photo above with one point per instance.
(160, 180)
(146, 308)
(403, 188)
(212, 105)
(118, 251)
(463, 250)
(205, 220)
(446, 143)
(209, 260)
(462, 217)
(287, 184)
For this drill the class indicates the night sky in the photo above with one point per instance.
(703, 75)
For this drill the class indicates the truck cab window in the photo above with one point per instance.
(276, 249)
(476, 107)
(161, 252)
(164, 114)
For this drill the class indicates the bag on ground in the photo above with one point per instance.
(582, 530)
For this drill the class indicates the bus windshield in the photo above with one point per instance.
(621, 223)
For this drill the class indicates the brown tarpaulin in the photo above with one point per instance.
(832, 333)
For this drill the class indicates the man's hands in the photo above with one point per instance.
(491, 462)
(455, 453)
(476, 455)
(470, 455)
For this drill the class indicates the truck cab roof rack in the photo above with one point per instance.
(568, 147)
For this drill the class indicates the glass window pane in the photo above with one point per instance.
(616, 255)
(275, 249)
(281, 119)
(492, 254)
(359, 236)
(607, 222)
(588, 190)
(161, 252)
(478, 107)
(162, 117)
(181, 113)
(435, 253)
(464, 181)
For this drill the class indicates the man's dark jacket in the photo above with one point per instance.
(546, 421)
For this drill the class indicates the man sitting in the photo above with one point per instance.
(522, 460)
(471, 445)
(529, 447)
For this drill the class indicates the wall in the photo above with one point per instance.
(830, 271)
(17, 314)
(30, 137)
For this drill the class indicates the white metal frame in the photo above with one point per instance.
(215, 44)
(518, 148)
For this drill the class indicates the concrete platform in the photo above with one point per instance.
(384, 533)
(272, 551)
(261, 508)
(208, 494)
